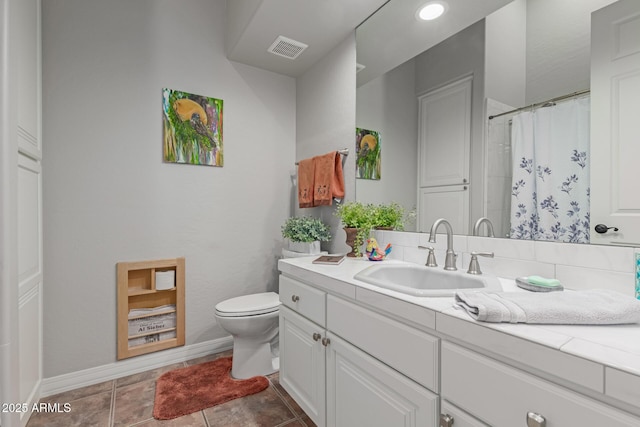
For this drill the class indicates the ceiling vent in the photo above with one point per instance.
(286, 47)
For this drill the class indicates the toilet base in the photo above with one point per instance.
(251, 359)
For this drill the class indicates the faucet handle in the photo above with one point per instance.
(474, 265)
(431, 258)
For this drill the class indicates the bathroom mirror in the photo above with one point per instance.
(517, 53)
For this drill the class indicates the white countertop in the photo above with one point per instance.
(613, 346)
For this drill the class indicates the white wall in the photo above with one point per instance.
(558, 47)
(388, 104)
(108, 196)
(326, 120)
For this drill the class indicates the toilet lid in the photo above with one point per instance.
(249, 305)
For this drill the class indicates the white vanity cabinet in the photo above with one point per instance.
(501, 395)
(338, 378)
(302, 346)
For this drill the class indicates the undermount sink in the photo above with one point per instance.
(423, 281)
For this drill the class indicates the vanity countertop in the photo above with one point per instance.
(614, 347)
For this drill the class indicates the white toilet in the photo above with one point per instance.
(252, 320)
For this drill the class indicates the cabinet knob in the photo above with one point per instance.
(326, 341)
(316, 336)
(446, 420)
(535, 420)
(295, 298)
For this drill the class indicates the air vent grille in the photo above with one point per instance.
(286, 47)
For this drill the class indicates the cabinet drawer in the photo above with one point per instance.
(304, 299)
(502, 396)
(459, 418)
(406, 349)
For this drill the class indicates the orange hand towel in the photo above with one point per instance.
(305, 183)
(328, 179)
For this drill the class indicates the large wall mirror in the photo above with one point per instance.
(490, 57)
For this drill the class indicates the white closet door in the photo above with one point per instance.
(444, 135)
(615, 128)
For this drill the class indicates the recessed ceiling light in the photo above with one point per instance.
(431, 10)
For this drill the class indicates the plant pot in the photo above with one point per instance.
(351, 239)
(384, 228)
(305, 247)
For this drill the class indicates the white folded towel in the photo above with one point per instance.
(591, 307)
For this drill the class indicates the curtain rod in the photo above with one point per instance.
(344, 152)
(543, 103)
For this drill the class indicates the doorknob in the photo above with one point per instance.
(601, 228)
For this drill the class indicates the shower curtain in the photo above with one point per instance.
(550, 187)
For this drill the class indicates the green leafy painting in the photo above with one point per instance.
(192, 128)
(368, 154)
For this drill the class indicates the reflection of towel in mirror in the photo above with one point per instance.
(306, 173)
(328, 180)
(590, 307)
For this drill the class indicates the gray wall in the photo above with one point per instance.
(388, 104)
(456, 57)
(108, 196)
(326, 117)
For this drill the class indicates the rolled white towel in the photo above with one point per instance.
(591, 307)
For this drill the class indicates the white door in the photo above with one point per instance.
(615, 128)
(21, 208)
(444, 144)
(444, 135)
(302, 363)
(362, 391)
(450, 202)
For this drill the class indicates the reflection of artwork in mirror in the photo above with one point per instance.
(192, 128)
(368, 154)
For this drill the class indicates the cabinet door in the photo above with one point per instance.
(615, 128)
(302, 363)
(444, 135)
(450, 202)
(362, 391)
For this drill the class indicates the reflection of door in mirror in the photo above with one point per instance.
(444, 143)
(615, 95)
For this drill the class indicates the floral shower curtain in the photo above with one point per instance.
(550, 191)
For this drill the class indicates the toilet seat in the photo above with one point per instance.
(249, 305)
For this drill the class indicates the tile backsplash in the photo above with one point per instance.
(576, 266)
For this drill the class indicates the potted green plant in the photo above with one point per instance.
(304, 234)
(388, 216)
(357, 219)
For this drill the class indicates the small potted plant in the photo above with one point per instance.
(388, 217)
(357, 219)
(304, 234)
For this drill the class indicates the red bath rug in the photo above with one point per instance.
(187, 390)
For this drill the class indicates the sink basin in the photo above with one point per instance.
(423, 281)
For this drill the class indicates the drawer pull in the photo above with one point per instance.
(446, 420)
(316, 336)
(535, 420)
(295, 298)
(326, 341)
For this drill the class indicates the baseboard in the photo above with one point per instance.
(122, 368)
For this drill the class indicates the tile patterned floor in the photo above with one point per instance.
(128, 401)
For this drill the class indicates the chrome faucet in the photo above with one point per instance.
(476, 227)
(450, 258)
